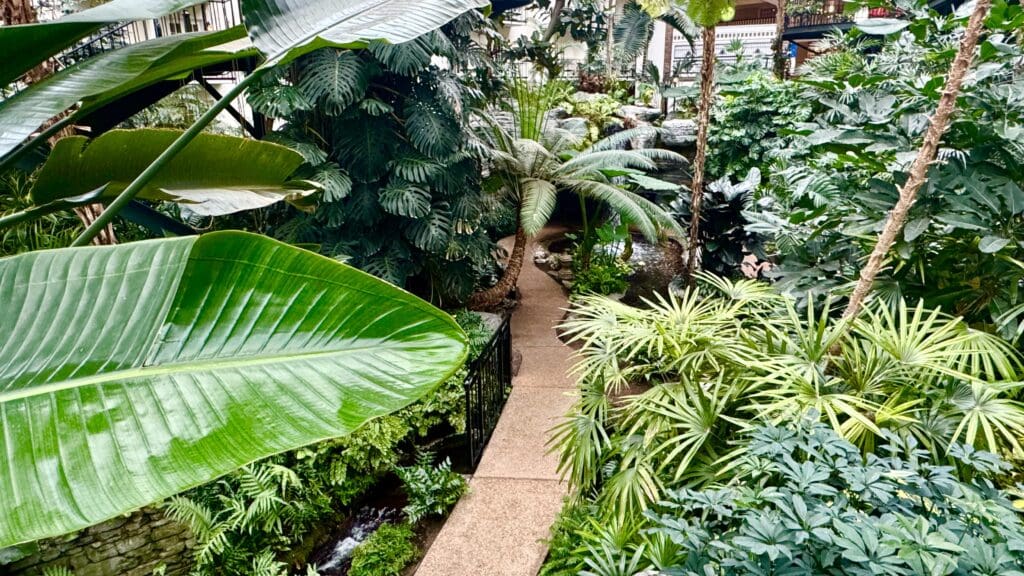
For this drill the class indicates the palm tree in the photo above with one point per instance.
(925, 157)
(532, 171)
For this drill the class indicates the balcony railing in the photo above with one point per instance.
(809, 20)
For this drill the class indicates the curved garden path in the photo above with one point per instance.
(499, 528)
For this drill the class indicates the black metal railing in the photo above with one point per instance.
(487, 388)
(809, 20)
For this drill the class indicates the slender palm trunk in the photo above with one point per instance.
(707, 92)
(493, 296)
(925, 157)
(781, 58)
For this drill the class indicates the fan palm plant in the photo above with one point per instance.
(713, 361)
(533, 165)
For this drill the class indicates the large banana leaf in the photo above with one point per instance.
(215, 175)
(24, 47)
(109, 75)
(284, 29)
(130, 373)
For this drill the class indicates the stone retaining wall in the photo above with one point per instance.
(134, 545)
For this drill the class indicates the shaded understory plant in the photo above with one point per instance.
(707, 364)
(805, 501)
(386, 552)
(432, 489)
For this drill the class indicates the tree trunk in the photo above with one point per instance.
(610, 43)
(781, 58)
(707, 92)
(925, 157)
(493, 296)
(556, 19)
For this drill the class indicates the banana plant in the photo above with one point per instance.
(130, 373)
(282, 31)
(28, 45)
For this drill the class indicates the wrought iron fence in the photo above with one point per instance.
(487, 387)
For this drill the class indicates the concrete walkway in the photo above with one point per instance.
(499, 527)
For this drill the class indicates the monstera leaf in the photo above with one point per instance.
(130, 373)
(215, 175)
(284, 29)
(24, 47)
(110, 76)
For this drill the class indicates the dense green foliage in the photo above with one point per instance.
(599, 267)
(267, 509)
(828, 196)
(707, 364)
(805, 501)
(725, 241)
(386, 132)
(56, 230)
(752, 119)
(432, 489)
(386, 552)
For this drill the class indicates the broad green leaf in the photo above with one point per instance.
(284, 29)
(882, 26)
(103, 79)
(25, 47)
(130, 373)
(915, 228)
(214, 175)
(650, 183)
(991, 244)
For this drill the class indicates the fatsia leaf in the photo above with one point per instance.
(164, 364)
(215, 175)
(991, 244)
(26, 46)
(103, 79)
(284, 29)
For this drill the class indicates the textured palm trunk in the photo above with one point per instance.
(707, 92)
(777, 46)
(925, 157)
(494, 295)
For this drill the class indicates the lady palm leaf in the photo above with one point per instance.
(988, 419)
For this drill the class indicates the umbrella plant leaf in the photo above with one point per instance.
(130, 373)
(284, 29)
(24, 47)
(214, 175)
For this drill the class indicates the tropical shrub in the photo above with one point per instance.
(386, 133)
(825, 200)
(804, 500)
(386, 552)
(432, 489)
(753, 118)
(531, 165)
(724, 239)
(707, 364)
(598, 263)
(56, 230)
(267, 509)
